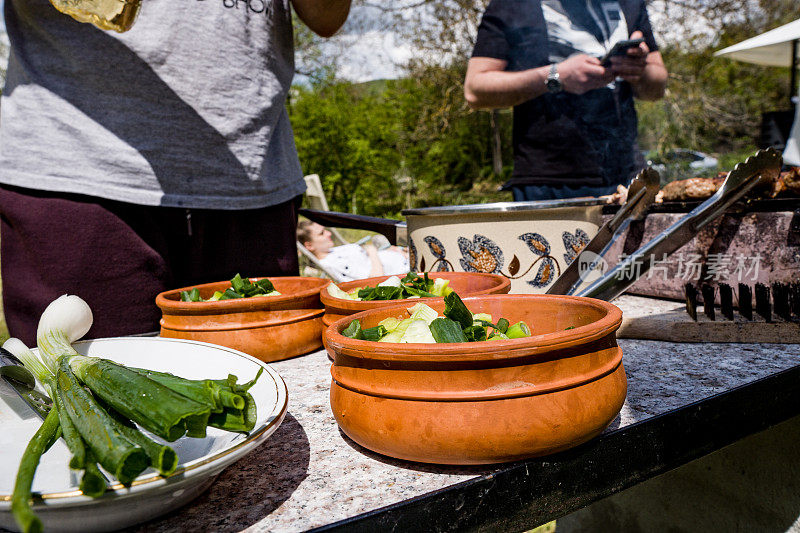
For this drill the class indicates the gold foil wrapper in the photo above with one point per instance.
(117, 15)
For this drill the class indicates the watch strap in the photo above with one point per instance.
(553, 81)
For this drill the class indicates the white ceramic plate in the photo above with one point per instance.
(64, 508)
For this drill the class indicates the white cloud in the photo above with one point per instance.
(371, 55)
(369, 47)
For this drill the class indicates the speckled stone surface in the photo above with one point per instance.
(309, 474)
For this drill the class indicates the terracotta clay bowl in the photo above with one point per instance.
(270, 328)
(464, 283)
(482, 402)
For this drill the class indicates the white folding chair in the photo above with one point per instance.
(317, 200)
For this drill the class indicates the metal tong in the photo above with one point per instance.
(764, 166)
(641, 195)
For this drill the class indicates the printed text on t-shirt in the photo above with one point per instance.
(251, 6)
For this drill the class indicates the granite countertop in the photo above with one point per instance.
(310, 475)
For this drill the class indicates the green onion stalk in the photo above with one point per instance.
(21, 499)
(45, 436)
(153, 406)
(233, 408)
(113, 451)
(57, 423)
(95, 400)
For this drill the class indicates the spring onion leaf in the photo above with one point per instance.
(240, 288)
(230, 294)
(21, 499)
(204, 391)
(153, 406)
(162, 457)
(380, 293)
(502, 325)
(266, 286)
(353, 330)
(456, 310)
(475, 333)
(420, 293)
(192, 295)
(117, 454)
(71, 436)
(244, 419)
(93, 482)
(373, 334)
(446, 330)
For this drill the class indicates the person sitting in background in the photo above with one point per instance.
(351, 261)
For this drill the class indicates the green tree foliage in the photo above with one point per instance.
(446, 147)
(714, 104)
(3, 60)
(348, 136)
(385, 146)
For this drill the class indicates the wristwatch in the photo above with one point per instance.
(553, 82)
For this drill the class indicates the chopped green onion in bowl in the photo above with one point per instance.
(424, 325)
(240, 288)
(393, 288)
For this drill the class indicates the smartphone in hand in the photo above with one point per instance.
(620, 48)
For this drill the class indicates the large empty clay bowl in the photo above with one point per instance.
(482, 402)
(270, 328)
(464, 283)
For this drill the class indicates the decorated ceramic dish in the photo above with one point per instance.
(530, 243)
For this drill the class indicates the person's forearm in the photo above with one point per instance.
(323, 17)
(653, 83)
(375, 265)
(495, 89)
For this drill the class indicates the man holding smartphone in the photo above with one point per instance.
(575, 124)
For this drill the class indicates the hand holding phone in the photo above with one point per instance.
(620, 48)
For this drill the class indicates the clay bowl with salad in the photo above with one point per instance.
(269, 318)
(482, 380)
(343, 299)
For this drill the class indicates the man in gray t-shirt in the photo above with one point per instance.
(181, 117)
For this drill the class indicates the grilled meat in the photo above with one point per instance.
(691, 189)
(786, 184)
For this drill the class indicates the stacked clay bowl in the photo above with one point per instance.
(463, 283)
(270, 328)
(482, 402)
